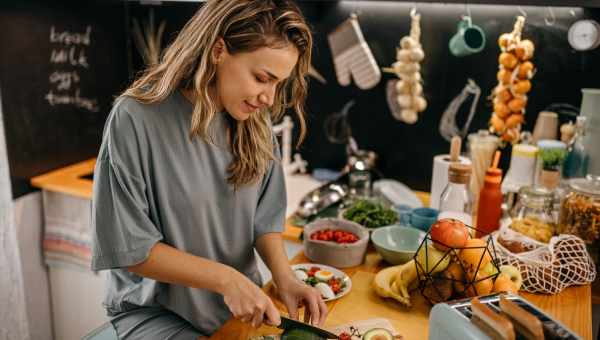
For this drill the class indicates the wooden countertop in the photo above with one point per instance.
(68, 180)
(573, 306)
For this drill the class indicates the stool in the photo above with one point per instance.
(105, 332)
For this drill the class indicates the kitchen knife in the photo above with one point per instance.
(287, 324)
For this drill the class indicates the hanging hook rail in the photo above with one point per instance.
(552, 20)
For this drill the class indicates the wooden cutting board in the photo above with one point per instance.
(362, 303)
(363, 326)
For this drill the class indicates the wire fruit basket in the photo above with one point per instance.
(438, 272)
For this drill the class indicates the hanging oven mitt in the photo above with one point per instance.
(352, 57)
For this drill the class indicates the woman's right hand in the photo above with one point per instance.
(248, 302)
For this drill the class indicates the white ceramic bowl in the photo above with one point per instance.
(331, 253)
(397, 244)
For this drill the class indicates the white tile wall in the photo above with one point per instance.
(29, 224)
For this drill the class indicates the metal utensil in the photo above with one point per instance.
(287, 324)
(321, 198)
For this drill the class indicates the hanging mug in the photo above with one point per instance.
(468, 39)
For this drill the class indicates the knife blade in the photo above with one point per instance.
(287, 324)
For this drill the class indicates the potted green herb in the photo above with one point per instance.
(552, 160)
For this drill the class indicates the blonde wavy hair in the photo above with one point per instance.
(245, 26)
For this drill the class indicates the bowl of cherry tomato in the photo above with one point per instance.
(335, 242)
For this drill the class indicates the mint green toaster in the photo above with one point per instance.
(452, 320)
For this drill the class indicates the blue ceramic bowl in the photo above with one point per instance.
(397, 243)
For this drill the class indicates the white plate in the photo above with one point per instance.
(336, 273)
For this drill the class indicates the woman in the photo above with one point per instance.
(188, 181)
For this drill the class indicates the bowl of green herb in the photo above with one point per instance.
(370, 213)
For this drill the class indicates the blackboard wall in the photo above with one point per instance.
(42, 137)
(61, 63)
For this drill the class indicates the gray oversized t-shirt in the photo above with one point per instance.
(152, 183)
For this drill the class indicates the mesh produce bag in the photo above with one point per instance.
(546, 268)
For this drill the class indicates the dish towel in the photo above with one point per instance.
(67, 234)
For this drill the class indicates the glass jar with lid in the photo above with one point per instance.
(532, 215)
(580, 209)
(360, 165)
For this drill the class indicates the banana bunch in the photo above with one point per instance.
(396, 282)
(407, 67)
(514, 82)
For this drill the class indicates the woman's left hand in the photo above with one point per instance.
(294, 293)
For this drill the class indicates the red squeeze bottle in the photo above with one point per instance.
(490, 203)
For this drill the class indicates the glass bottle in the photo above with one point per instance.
(578, 158)
(359, 182)
(360, 163)
(456, 200)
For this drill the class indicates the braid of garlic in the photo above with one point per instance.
(415, 28)
(407, 67)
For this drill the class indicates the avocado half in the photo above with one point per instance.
(378, 334)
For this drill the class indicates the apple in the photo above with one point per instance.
(489, 269)
(513, 274)
(433, 261)
(448, 232)
(503, 283)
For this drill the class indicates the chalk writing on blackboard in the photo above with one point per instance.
(69, 55)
